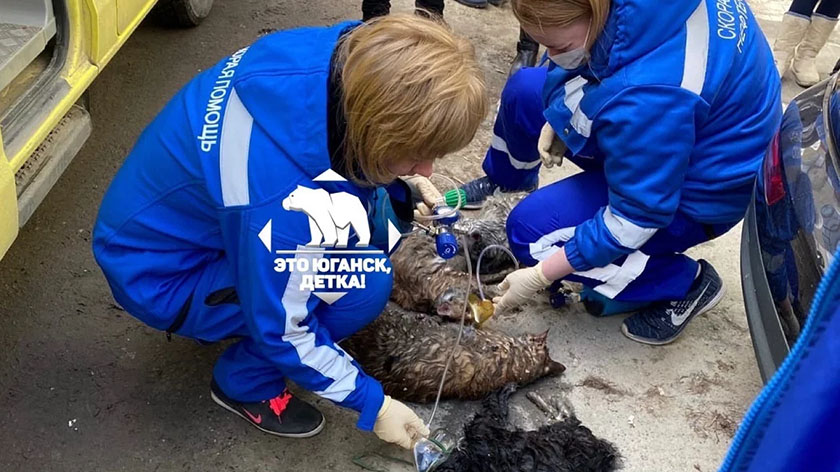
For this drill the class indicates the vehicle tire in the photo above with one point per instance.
(182, 13)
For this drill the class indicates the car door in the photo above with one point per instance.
(113, 21)
(130, 12)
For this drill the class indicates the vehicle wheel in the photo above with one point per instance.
(183, 13)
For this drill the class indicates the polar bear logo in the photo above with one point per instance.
(330, 216)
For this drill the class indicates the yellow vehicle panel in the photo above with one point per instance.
(96, 31)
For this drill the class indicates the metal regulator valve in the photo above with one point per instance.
(446, 243)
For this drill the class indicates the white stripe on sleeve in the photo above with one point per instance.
(627, 233)
(615, 278)
(233, 152)
(574, 95)
(696, 49)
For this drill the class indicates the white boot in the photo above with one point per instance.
(793, 30)
(804, 59)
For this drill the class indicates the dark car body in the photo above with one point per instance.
(792, 228)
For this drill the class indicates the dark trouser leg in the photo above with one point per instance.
(512, 161)
(803, 7)
(829, 9)
(374, 8)
(432, 6)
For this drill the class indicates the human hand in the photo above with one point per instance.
(520, 286)
(424, 188)
(396, 423)
(550, 148)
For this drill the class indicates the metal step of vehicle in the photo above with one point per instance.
(43, 168)
(20, 45)
(26, 26)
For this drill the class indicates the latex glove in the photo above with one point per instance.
(520, 286)
(398, 424)
(422, 210)
(550, 148)
(424, 187)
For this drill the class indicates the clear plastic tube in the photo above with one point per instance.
(460, 332)
(478, 264)
(464, 309)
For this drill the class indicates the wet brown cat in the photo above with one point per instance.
(407, 352)
(407, 347)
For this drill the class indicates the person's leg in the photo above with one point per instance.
(823, 21)
(512, 162)
(214, 314)
(828, 8)
(434, 7)
(247, 383)
(526, 53)
(673, 287)
(244, 378)
(244, 381)
(794, 25)
(242, 372)
(692, 288)
(474, 3)
(375, 8)
(541, 224)
(358, 307)
(803, 7)
(666, 249)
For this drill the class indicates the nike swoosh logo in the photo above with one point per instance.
(256, 419)
(677, 320)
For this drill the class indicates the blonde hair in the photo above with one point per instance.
(560, 13)
(412, 89)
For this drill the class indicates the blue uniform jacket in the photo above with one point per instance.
(678, 104)
(202, 182)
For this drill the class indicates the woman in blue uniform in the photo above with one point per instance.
(668, 108)
(252, 208)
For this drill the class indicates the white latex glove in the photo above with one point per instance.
(422, 210)
(398, 424)
(425, 188)
(550, 148)
(520, 286)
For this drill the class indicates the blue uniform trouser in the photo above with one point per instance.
(513, 162)
(540, 225)
(242, 371)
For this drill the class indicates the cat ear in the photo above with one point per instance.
(540, 338)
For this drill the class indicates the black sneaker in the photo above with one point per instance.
(284, 415)
(477, 191)
(663, 322)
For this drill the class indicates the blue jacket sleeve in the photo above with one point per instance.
(647, 134)
(278, 311)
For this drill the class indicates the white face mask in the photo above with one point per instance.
(576, 57)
